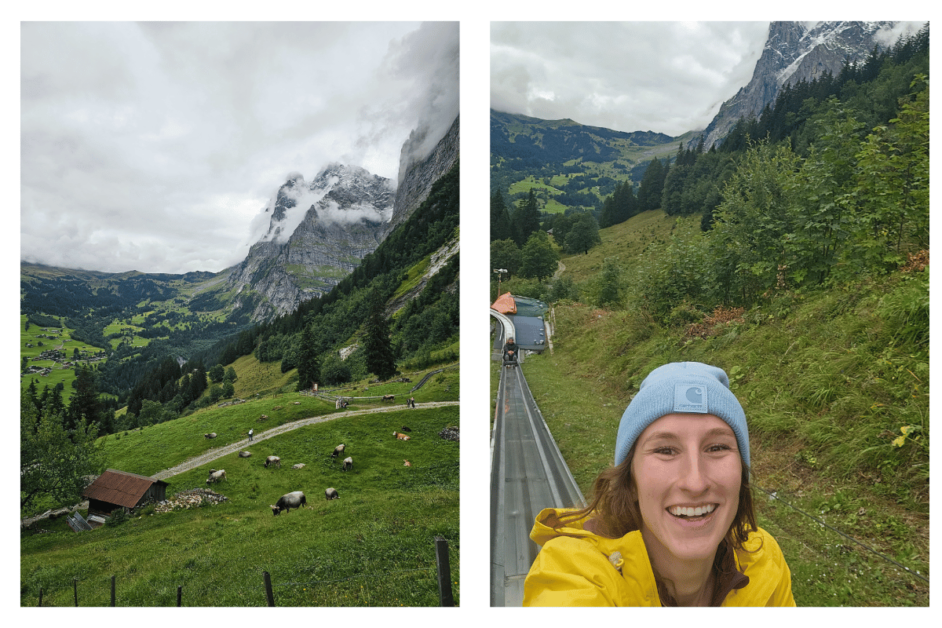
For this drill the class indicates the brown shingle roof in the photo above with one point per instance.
(119, 487)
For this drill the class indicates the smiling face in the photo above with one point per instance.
(688, 472)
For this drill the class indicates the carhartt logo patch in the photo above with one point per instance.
(690, 398)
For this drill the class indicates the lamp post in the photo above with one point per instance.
(500, 272)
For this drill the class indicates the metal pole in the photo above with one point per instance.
(40, 596)
(179, 596)
(75, 590)
(268, 592)
(444, 572)
(112, 590)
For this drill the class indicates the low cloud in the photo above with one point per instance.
(155, 146)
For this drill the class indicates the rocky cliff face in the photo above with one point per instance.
(795, 51)
(416, 179)
(317, 234)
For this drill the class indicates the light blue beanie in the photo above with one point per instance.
(682, 387)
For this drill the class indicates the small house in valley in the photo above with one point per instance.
(119, 489)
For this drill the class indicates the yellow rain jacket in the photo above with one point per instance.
(576, 568)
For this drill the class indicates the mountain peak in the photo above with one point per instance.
(796, 51)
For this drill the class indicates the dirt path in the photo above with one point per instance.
(219, 452)
(560, 270)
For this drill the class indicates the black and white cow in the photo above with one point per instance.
(287, 502)
(331, 493)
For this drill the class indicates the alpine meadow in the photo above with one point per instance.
(271, 423)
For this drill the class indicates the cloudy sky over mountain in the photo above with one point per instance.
(151, 146)
(668, 77)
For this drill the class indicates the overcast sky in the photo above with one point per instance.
(667, 77)
(151, 146)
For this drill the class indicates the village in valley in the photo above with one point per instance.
(58, 355)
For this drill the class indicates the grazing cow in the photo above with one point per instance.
(331, 493)
(216, 476)
(389, 397)
(210, 435)
(300, 465)
(245, 454)
(272, 461)
(297, 403)
(338, 450)
(400, 436)
(405, 429)
(347, 464)
(287, 502)
(407, 463)
(263, 417)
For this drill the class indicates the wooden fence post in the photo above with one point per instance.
(179, 596)
(112, 590)
(40, 596)
(75, 590)
(444, 572)
(268, 591)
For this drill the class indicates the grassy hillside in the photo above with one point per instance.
(35, 341)
(544, 155)
(372, 547)
(830, 382)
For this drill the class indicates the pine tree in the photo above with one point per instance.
(380, 358)
(500, 219)
(652, 184)
(526, 219)
(308, 365)
(84, 403)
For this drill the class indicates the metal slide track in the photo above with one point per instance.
(527, 474)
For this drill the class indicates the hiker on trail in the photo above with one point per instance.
(671, 523)
(510, 351)
(337, 404)
(251, 431)
(412, 402)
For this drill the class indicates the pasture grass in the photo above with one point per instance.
(154, 448)
(372, 547)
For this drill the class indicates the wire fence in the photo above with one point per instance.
(442, 571)
(774, 495)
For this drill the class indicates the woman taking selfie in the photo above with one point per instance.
(672, 522)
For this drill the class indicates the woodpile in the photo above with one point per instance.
(192, 498)
(450, 433)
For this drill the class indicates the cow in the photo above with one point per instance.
(405, 429)
(272, 461)
(245, 454)
(347, 464)
(338, 450)
(407, 463)
(287, 502)
(389, 397)
(400, 436)
(216, 476)
(300, 465)
(210, 435)
(331, 493)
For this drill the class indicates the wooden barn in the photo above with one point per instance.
(119, 489)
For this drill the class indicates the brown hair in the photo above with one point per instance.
(614, 509)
